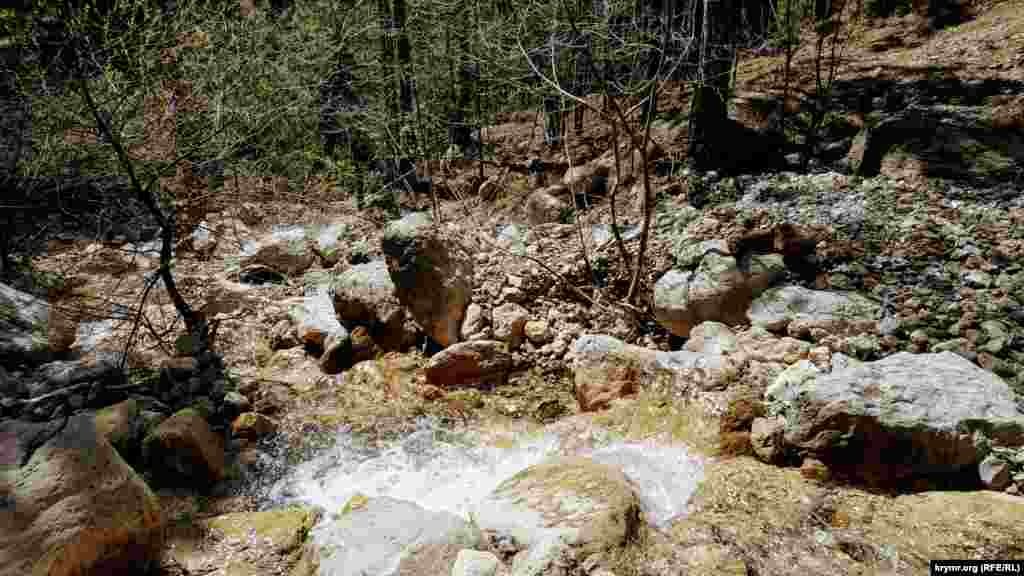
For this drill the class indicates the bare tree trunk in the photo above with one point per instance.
(195, 323)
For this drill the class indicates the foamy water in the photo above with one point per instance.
(451, 471)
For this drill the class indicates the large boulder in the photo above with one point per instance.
(364, 294)
(716, 291)
(605, 368)
(383, 537)
(285, 251)
(70, 505)
(570, 506)
(30, 329)
(183, 449)
(432, 279)
(903, 417)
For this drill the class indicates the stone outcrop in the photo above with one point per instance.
(903, 417)
(432, 280)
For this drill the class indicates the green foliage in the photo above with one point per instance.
(885, 8)
(567, 215)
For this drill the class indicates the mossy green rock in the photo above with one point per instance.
(589, 506)
(284, 531)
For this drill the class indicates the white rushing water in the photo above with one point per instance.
(450, 471)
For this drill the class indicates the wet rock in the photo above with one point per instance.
(533, 508)
(264, 541)
(384, 536)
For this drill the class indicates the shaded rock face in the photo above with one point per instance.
(71, 505)
(364, 294)
(569, 506)
(385, 536)
(903, 417)
(953, 142)
(432, 281)
(56, 389)
(184, 450)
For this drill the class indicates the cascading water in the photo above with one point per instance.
(448, 471)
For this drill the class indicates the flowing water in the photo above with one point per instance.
(450, 471)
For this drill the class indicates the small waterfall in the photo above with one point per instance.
(449, 471)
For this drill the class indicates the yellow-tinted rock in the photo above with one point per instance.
(253, 425)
